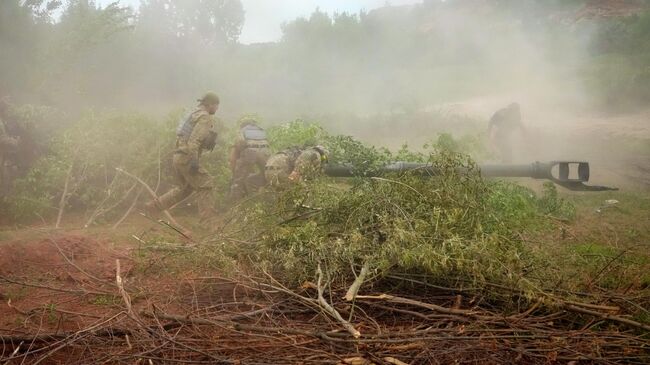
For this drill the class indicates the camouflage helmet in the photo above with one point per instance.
(210, 98)
(324, 152)
(247, 120)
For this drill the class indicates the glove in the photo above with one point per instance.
(194, 166)
(295, 176)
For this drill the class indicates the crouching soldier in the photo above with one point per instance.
(195, 135)
(295, 165)
(247, 159)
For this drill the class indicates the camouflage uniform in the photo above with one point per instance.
(278, 168)
(308, 164)
(501, 128)
(190, 177)
(248, 158)
(293, 165)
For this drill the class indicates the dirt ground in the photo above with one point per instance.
(616, 146)
(62, 281)
(57, 281)
(53, 281)
(62, 284)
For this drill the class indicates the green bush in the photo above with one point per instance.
(472, 145)
(551, 204)
(91, 150)
(618, 74)
(86, 155)
(297, 133)
(451, 227)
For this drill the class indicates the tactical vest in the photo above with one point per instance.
(254, 136)
(186, 126)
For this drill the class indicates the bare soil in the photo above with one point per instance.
(57, 280)
(61, 305)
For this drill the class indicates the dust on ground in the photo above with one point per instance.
(56, 281)
(616, 145)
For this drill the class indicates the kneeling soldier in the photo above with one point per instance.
(248, 158)
(294, 165)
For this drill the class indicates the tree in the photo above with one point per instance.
(84, 25)
(214, 22)
(42, 9)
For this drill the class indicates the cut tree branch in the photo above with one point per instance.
(354, 288)
(155, 197)
(128, 211)
(64, 196)
(331, 310)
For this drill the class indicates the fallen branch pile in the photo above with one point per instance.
(268, 323)
(376, 255)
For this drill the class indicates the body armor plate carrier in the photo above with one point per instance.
(254, 133)
(185, 127)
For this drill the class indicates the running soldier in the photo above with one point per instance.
(195, 134)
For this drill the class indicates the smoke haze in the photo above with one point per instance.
(389, 75)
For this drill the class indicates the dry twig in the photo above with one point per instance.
(64, 196)
(331, 310)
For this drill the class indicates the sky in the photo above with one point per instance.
(264, 18)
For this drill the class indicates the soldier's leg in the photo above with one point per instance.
(256, 179)
(182, 189)
(506, 148)
(173, 197)
(238, 186)
(203, 184)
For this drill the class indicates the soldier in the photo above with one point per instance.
(248, 158)
(8, 144)
(195, 134)
(294, 165)
(502, 128)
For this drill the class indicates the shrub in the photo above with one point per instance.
(450, 227)
(296, 133)
(88, 153)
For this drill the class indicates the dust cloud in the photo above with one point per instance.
(390, 75)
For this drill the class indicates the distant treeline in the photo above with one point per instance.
(75, 54)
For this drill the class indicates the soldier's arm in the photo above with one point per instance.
(494, 124)
(306, 164)
(201, 131)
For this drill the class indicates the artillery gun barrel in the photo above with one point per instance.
(530, 170)
(569, 174)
